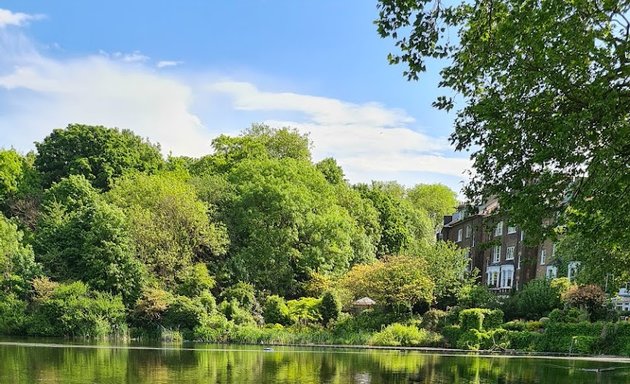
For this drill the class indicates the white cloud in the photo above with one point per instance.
(168, 63)
(43, 93)
(8, 18)
(364, 138)
(125, 90)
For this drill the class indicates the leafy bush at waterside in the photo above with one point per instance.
(73, 310)
(404, 335)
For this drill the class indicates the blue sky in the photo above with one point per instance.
(183, 72)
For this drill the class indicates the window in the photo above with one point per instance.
(507, 276)
(511, 230)
(553, 250)
(572, 270)
(552, 272)
(468, 231)
(522, 235)
(496, 254)
(518, 265)
(459, 234)
(543, 256)
(509, 253)
(492, 276)
(498, 230)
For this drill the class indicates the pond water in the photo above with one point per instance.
(34, 361)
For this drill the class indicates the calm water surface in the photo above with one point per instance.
(33, 361)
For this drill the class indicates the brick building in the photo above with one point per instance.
(498, 250)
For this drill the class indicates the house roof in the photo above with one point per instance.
(364, 302)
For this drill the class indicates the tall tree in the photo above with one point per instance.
(285, 224)
(99, 154)
(81, 237)
(171, 227)
(437, 200)
(545, 87)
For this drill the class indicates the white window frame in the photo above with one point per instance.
(459, 234)
(551, 272)
(498, 230)
(496, 254)
(493, 274)
(543, 256)
(511, 230)
(553, 249)
(468, 231)
(509, 253)
(522, 235)
(507, 276)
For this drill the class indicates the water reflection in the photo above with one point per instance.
(233, 364)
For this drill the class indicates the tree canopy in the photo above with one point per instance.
(98, 153)
(545, 102)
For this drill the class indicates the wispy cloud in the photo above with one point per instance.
(168, 63)
(17, 19)
(363, 138)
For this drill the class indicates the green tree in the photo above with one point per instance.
(537, 299)
(17, 261)
(402, 225)
(171, 227)
(545, 106)
(258, 142)
(285, 224)
(99, 154)
(330, 307)
(437, 200)
(447, 265)
(331, 170)
(396, 282)
(275, 311)
(19, 186)
(81, 237)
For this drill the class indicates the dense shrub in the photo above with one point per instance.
(403, 335)
(275, 311)
(433, 319)
(534, 301)
(305, 311)
(214, 329)
(196, 281)
(243, 293)
(12, 315)
(184, 313)
(560, 337)
(493, 319)
(472, 318)
(329, 308)
(474, 339)
(150, 308)
(588, 297)
(477, 296)
(569, 315)
(523, 341)
(73, 310)
(451, 334)
(234, 312)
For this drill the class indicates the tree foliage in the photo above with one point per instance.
(17, 261)
(284, 224)
(546, 99)
(437, 200)
(397, 282)
(171, 227)
(81, 237)
(99, 154)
